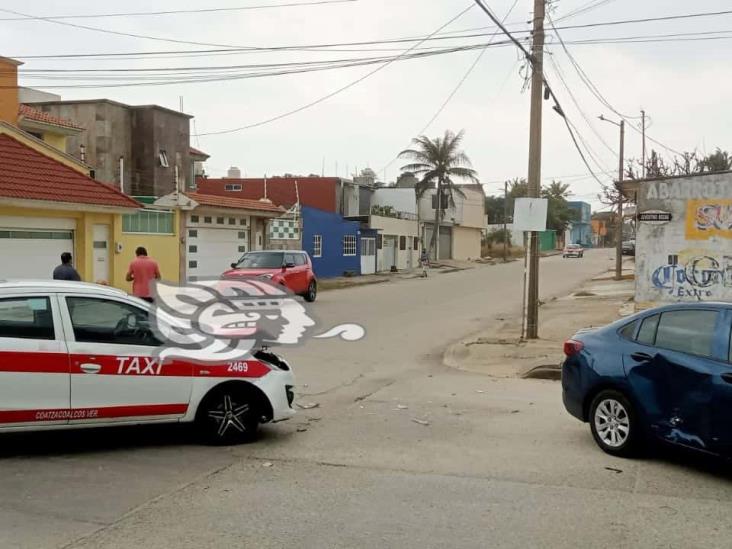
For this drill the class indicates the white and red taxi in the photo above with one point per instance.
(68, 358)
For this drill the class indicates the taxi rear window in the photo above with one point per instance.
(26, 318)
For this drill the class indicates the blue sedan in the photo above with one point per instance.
(665, 373)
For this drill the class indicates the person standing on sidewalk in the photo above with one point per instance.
(66, 270)
(424, 260)
(143, 270)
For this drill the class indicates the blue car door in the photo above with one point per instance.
(674, 369)
(722, 401)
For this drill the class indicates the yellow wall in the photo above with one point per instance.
(8, 91)
(465, 243)
(164, 249)
(56, 140)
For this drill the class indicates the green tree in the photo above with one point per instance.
(437, 161)
(718, 161)
(494, 209)
(559, 214)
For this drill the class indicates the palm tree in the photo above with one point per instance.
(437, 161)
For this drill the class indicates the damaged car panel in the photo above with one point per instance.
(664, 373)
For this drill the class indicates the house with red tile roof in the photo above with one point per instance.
(217, 230)
(49, 205)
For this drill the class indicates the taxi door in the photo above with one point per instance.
(34, 362)
(114, 374)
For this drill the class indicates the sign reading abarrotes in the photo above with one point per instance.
(529, 214)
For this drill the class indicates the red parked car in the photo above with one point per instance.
(290, 268)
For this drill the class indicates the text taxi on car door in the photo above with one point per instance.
(81, 355)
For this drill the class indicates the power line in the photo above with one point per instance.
(339, 90)
(596, 92)
(231, 48)
(175, 12)
(459, 85)
(135, 81)
(557, 107)
(577, 105)
(589, 6)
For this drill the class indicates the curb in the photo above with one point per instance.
(349, 286)
(549, 372)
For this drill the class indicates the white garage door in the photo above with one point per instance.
(33, 253)
(211, 251)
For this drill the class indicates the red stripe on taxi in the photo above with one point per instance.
(34, 362)
(61, 363)
(145, 410)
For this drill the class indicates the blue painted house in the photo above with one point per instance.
(332, 242)
(580, 231)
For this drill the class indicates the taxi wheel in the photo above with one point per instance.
(228, 416)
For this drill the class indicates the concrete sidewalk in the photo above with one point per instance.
(502, 353)
(443, 267)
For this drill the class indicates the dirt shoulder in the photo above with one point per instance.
(502, 353)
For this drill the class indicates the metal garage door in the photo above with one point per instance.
(211, 251)
(31, 253)
(445, 242)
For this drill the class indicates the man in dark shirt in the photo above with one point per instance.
(65, 271)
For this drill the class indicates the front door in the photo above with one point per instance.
(675, 370)
(100, 256)
(34, 363)
(368, 255)
(114, 375)
(296, 272)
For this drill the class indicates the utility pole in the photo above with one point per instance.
(619, 242)
(534, 180)
(643, 116)
(505, 215)
(618, 188)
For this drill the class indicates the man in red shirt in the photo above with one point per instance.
(143, 270)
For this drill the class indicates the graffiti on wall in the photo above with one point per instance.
(698, 277)
(708, 218)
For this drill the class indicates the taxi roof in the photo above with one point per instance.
(56, 286)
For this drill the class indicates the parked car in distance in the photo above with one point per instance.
(82, 355)
(663, 374)
(628, 247)
(290, 268)
(573, 250)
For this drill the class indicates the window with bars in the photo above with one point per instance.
(416, 243)
(317, 245)
(402, 242)
(148, 221)
(349, 245)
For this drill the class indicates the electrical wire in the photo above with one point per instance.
(175, 12)
(135, 81)
(460, 84)
(530, 58)
(231, 49)
(589, 122)
(589, 6)
(337, 91)
(596, 92)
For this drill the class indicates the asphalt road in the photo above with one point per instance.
(488, 463)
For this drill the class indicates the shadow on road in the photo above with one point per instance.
(108, 439)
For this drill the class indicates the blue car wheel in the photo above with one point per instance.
(614, 424)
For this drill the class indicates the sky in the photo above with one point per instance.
(682, 85)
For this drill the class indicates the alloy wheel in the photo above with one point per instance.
(612, 423)
(229, 416)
